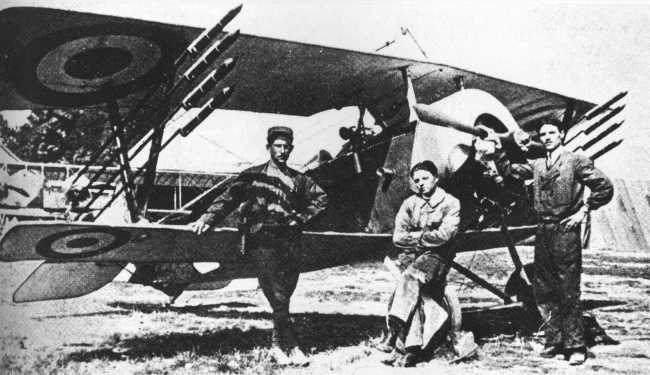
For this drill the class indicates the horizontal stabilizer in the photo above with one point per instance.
(65, 280)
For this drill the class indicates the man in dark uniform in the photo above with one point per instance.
(273, 202)
(559, 182)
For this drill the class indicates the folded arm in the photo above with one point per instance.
(405, 235)
(433, 237)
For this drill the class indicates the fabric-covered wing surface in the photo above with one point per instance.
(87, 242)
(56, 58)
(60, 58)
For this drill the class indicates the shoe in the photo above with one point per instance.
(464, 346)
(406, 360)
(394, 356)
(298, 358)
(577, 358)
(552, 351)
(279, 356)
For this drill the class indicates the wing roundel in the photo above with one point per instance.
(68, 59)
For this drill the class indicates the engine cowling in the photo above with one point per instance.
(456, 119)
(450, 133)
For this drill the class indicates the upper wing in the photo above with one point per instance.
(57, 58)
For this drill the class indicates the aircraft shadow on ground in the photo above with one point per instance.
(316, 332)
(489, 323)
(147, 308)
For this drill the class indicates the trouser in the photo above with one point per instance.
(425, 274)
(275, 257)
(558, 264)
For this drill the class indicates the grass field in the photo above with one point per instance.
(127, 328)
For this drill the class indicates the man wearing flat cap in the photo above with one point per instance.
(272, 201)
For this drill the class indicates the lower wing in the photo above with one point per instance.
(89, 242)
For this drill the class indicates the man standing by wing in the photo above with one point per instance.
(558, 185)
(273, 201)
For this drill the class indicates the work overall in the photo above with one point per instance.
(424, 229)
(558, 265)
(558, 189)
(423, 274)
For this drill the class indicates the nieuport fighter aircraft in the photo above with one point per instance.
(145, 73)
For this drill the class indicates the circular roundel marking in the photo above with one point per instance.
(85, 65)
(81, 243)
(93, 64)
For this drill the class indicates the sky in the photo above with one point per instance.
(590, 50)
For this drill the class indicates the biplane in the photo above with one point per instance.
(147, 75)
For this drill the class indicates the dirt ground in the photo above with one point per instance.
(127, 328)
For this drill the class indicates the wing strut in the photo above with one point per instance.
(154, 151)
(155, 136)
(123, 158)
(208, 108)
(480, 281)
(190, 101)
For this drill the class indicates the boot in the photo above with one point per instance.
(276, 338)
(409, 359)
(283, 340)
(297, 357)
(578, 356)
(279, 356)
(552, 351)
(289, 337)
(283, 336)
(277, 353)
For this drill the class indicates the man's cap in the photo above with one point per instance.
(279, 131)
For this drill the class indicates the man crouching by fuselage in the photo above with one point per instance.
(424, 227)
